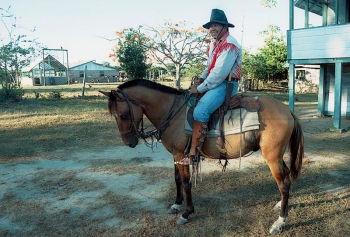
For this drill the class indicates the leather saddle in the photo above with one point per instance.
(249, 103)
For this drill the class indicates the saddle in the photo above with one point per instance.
(249, 103)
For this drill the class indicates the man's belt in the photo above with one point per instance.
(232, 79)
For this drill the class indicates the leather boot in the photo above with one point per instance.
(199, 133)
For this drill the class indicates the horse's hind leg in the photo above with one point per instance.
(280, 172)
(175, 208)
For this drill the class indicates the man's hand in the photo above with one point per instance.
(197, 81)
(193, 89)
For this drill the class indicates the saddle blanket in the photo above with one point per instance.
(250, 121)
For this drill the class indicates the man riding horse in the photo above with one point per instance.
(223, 67)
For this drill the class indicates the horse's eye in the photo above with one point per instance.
(124, 116)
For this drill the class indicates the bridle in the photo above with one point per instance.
(133, 128)
(157, 133)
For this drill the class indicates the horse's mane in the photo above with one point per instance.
(150, 85)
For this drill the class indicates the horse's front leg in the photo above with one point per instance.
(182, 180)
(184, 172)
(176, 207)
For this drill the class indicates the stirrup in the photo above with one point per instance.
(186, 160)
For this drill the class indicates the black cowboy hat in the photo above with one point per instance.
(217, 16)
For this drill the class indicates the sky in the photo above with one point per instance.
(80, 26)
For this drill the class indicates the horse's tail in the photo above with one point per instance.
(296, 149)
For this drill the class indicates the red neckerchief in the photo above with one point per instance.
(219, 47)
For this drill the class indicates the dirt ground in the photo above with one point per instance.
(82, 193)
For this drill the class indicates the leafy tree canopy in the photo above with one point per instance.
(130, 52)
(16, 52)
(268, 3)
(268, 62)
(169, 44)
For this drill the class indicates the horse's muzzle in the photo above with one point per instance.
(133, 142)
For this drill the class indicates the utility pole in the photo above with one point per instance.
(242, 32)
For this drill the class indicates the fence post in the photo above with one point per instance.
(82, 92)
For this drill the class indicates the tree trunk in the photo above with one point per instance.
(177, 77)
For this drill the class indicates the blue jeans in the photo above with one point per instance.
(212, 100)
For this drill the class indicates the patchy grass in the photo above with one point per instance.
(231, 203)
(35, 126)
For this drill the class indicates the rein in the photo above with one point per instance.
(169, 116)
(157, 133)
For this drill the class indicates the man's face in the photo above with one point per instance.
(216, 30)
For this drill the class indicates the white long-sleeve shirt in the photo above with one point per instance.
(225, 56)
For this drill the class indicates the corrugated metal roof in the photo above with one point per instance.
(40, 66)
(50, 63)
(91, 66)
(315, 6)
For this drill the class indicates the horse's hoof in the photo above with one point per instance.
(277, 226)
(275, 230)
(181, 221)
(175, 208)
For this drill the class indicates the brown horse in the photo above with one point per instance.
(165, 108)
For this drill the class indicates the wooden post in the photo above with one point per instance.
(67, 68)
(336, 12)
(84, 79)
(321, 90)
(291, 14)
(44, 67)
(337, 95)
(324, 14)
(291, 86)
(306, 23)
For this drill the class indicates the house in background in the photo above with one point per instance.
(307, 78)
(95, 73)
(46, 72)
(328, 46)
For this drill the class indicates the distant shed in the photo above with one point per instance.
(95, 73)
(46, 72)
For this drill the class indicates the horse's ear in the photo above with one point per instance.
(114, 93)
(108, 94)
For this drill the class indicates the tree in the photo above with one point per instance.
(175, 44)
(155, 72)
(268, 62)
(131, 52)
(268, 3)
(274, 52)
(194, 69)
(252, 65)
(16, 52)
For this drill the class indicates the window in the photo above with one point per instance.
(81, 74)
(300, 74)
(102, 73)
